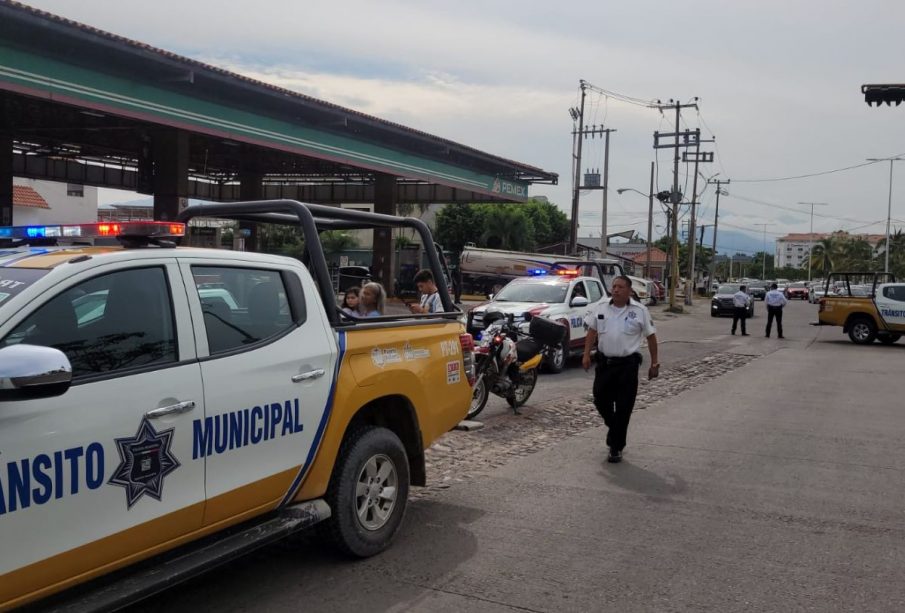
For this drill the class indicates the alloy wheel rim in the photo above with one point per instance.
(376, 492)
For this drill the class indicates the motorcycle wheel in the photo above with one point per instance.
(479, 395)
(527, 381)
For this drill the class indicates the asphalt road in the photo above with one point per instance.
(775, 487)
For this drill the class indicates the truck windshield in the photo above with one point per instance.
(532, 292)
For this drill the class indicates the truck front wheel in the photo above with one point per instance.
(862, 331)
(368, 492)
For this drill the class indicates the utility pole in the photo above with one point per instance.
(716, 220)
(604, 239)
(699, 156)
(889, 205)
(689, 137)
(811, 234)
(763, 273)
(577, 114)
(650, 221)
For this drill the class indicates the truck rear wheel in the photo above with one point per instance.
(368, 492)
(862, 331)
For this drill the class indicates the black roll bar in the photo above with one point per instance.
(314, 217)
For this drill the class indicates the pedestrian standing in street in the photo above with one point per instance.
(616, 328)
(740, 302)
(775, 303)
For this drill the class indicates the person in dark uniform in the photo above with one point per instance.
(616, 327)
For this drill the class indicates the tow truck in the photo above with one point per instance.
(868, 306)
(168, 408)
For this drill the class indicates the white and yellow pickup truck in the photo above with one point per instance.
(867, 306)
(152, 395)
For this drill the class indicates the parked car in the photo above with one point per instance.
(758, 291)
(561, 298)
(723, 303)
(816, 294)
(797, 291)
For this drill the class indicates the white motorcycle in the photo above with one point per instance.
(507, 358)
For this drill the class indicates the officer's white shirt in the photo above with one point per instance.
(775, 298)
(620, 331)
(740, 299)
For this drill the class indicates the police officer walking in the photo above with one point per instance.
(616, 327)
(775, 303)
(740, 301)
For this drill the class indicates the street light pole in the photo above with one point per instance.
(889, 205)
(811, 234)
(763, 273)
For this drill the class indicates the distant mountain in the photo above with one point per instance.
(730, 242)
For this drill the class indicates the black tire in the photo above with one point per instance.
(889, 339)
(555, 362)
(862, 331)
(714, 314)
(524, 388)
(345, 530)
(479, 395)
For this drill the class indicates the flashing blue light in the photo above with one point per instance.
(536, 272)
(36, 231)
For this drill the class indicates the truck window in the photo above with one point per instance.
(594, 291)
(241, 306)
(895, 292)
(113, 322)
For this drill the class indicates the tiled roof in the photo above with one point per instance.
(24, 195)
(656, 255)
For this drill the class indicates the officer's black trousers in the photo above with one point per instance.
(615, 388)
(739, 313)
(774, 312)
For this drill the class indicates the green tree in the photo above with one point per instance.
(551, 225)
(506, 227)
(517, 227)
(334, 241)
(456, 225)
(856, 255)
(281, 240)
(824, 255)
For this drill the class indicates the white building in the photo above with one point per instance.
(48, 202)
(793, 249)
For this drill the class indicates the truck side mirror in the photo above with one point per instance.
(33, 371)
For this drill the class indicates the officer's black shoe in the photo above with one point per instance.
(745, 334)
(615, 456)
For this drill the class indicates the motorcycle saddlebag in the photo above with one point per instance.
(527, 348)
(547, 332)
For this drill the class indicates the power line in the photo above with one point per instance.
(813, 174)
(793, 210)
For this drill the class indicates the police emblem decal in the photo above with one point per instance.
(145, 460)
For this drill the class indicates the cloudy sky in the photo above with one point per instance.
(778, 84)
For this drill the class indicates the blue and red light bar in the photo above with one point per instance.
(148, 229)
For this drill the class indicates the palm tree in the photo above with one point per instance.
(824, 254)
(856, 255)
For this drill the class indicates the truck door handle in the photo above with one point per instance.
(311, 374)
(181, 407)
